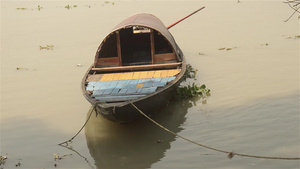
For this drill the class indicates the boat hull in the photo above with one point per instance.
(124, 112)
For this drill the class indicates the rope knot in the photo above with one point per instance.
(230, 155)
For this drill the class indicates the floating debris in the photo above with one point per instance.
(3, 160)
(78, 65)
(22, 68)
(68, 6)
(39, 7)
(201, 53)
(265, 44)
(57, 157)
(47, 47)
(160, 141)
(227, 49)
(21, 8)
(18, 164)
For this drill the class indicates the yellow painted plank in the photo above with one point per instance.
(157, 74)
(110, 77)
(173, 72)
(178, 71)
(136, 75)
(143, 75)
(164, 73)
(123, 76)
(150, 74)
(117, 76)
(128, 76)
(104, 77)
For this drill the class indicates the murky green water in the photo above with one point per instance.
(253, 109)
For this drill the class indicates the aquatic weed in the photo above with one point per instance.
(192, 91)
(39, 7)
(3, 160)
(47, 47)
(21, 8)
(189, 73)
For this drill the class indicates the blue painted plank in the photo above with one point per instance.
(152, 89)
(144, 90)
(114, 82)
(134, 81)
(165, 79)
(132, 91)
(98, 92)
(129, 86)
(123, 91)
(90, 88)
(147, 85)
(161, 84)
(97, 84)
(91, 83)
(97, 87)
(158, 79)
(142, 80)
(115, 91)
(123, 82)
(107, 91)
(171, 78)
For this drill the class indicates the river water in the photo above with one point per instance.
(253, 107)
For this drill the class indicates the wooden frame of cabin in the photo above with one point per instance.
(116, 53)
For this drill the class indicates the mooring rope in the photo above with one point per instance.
(230, 154)
(70, 140)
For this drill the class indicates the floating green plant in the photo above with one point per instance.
(47, 47)
(107, 2)
(68, 6)
(201, 53)
(188, 91)
(18, 164)
(297, 36)
(3, 160)
(39, 7)
(21, 8)
(190, 72)
(192, 91)
(57, 157)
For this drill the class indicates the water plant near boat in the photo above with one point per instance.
(192, 91)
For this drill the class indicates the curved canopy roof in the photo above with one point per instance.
(150, 21)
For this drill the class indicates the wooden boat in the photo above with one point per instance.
(139, 61)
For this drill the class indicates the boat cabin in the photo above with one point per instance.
(135, 46)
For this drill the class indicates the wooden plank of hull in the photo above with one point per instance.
(138, 67)
(127, 113)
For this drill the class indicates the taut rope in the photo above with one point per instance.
(230, 154)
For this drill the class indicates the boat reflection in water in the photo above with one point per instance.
(138, 144)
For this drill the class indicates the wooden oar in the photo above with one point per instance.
(170, 26)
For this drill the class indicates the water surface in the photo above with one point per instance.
(253, 109)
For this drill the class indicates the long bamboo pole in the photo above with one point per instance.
(170, 26)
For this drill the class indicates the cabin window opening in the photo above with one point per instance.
(109, 47)
(135, 47)
(161, 44)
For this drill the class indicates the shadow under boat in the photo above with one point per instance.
(138, 144)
